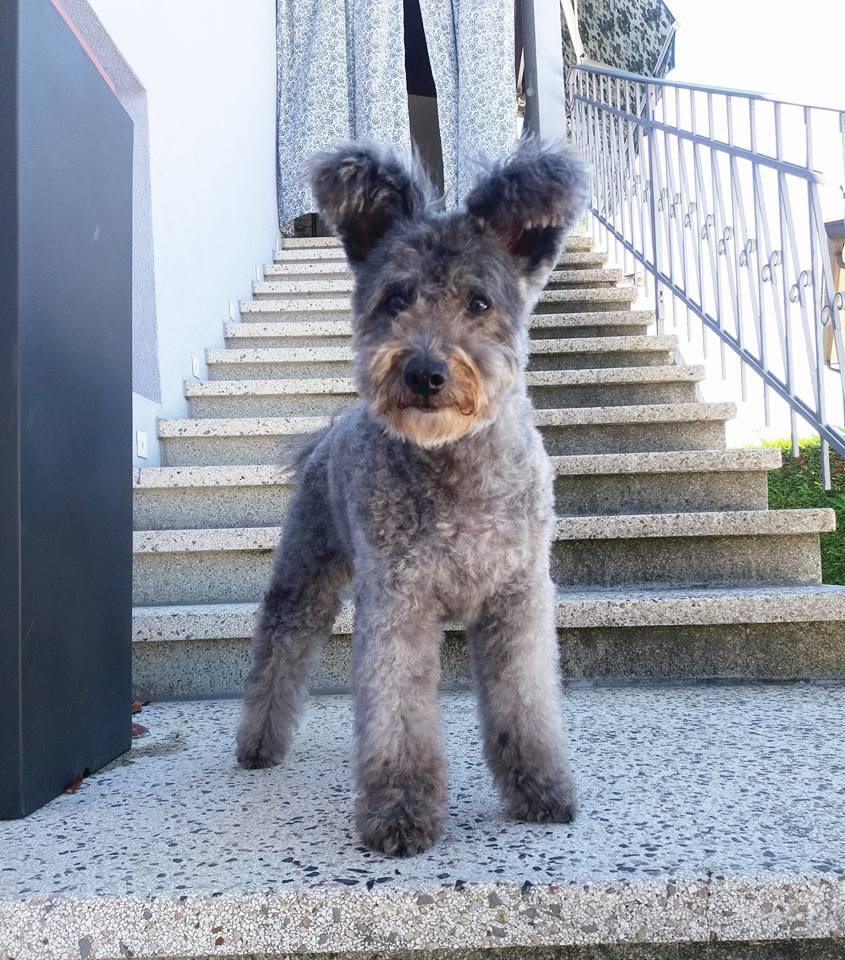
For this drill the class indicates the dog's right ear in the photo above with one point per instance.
(531, 201)
(362, 191)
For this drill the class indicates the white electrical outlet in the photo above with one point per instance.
(141, 443)
(195, 366)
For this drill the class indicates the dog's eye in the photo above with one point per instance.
(478, 304)
(396, 302)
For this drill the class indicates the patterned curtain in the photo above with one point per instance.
(341, 76)
(471, 44)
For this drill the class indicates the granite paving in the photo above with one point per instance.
(707, 812)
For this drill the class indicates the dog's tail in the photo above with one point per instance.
(297, 451)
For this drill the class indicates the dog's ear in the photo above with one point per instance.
(531, 201)
(362, 191)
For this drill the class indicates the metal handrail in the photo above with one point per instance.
(607, 71)
(702, 188)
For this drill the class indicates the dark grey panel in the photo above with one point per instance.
(9, 553)
(74, 368)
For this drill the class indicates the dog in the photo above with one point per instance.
(432, 494)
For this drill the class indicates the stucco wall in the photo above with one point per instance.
(208, 69)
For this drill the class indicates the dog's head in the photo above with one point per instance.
(441, 299)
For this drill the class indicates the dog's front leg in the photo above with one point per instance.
(295, 618)
(401, 773)
(515, 659)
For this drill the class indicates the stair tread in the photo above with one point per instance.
(574, 243)
(563, 416)
(255, 475)
(681, 461)
(676, 373)
(318, 284)
(648, 342)
(575, 609)
(270, 866)
(697, 523)
(291, 243)
(337, 304)
(672, 461)
(605, 527)
(343, 328)
(570, 259)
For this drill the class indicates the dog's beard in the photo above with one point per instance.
(465, 405)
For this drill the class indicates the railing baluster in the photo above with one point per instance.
(761, 304)
(667, 217)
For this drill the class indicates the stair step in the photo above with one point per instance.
(318, 284)
(309, 254)
(294, 243)
(588, 260)
(602, 323)
(544, 354)
(290, 269)
(252, 496)
(586, 277)
(313, 248)
(670, 482)
(759, 631)
(557, 300)
(627, 429)
(574, 610)
(216, 496)
(296, 332)
(716, 523)
(282, 873)
(607, 298)
(605, 386)
(728, 547)
(694, 548)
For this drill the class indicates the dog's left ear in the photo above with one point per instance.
(531, 201)
(362, 191)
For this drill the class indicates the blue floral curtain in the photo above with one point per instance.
(341, 76)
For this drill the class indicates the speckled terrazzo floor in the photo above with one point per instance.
(705, 812)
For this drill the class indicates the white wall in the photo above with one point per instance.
(209, 70)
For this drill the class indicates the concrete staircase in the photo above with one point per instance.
(710, 817)
(670, 565)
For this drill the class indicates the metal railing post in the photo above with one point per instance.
(545, 105)
(652, 206)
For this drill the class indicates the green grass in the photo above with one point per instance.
(799, 484)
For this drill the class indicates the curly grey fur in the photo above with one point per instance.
(453, 526)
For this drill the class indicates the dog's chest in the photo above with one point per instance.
(458, 536)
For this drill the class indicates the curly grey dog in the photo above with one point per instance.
(433, 494)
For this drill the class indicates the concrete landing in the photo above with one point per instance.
(712, 812)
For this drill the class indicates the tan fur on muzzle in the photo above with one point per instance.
(455, 409)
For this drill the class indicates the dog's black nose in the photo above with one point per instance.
(425, 376)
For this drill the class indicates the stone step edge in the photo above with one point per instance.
(343, 328)
(582, 609)
(599, 464)
(574, 242)
(340, 304)
(317, 284)
(334, 386)
(725, 523)
(211, 427)
(572, 260)
(648, 343)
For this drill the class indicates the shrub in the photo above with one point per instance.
(799, 484)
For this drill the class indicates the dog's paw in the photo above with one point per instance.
(402, 830)
(256, 753)
(538, 802)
